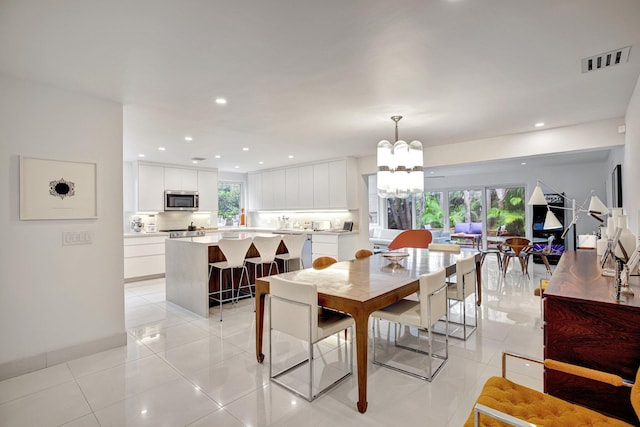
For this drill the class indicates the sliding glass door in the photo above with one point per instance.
(506, 211)
(465, 206)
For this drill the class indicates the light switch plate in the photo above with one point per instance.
(77, 238)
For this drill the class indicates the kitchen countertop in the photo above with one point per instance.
(285, 231)
(143, 234)
(251, 230)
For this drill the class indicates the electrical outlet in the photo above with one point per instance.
(77, 238)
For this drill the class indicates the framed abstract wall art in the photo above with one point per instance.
(56, 189)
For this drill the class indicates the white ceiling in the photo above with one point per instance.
(320, 79)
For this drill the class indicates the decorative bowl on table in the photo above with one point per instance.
(395, 257)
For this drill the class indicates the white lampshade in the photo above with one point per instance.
(537, 198)
(551, 222)
(597, 207)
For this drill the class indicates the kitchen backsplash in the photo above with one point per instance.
(301, 220)
(289, 220)
(173, 220)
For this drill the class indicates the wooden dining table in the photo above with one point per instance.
(360, 287)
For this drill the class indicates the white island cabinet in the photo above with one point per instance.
(341, 246)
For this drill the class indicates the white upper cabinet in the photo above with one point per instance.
(292, 188)
(343, 185)
(279, 184)
(145, 184)
(150, 188)
(254, 182)
(326, 185)
(180, 179)
(208, 190)
(305, 189)
(321, 185)
(268, 190)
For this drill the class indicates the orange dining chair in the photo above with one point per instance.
(411, 239)
(323, 262)
(363, 253)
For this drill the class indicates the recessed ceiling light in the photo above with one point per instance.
(188, 138)
(195, 162)
(290, 156)
(218, 156)
(261, 163)
(523, 163)
(161, 149)
(432, 172)
(539, 124)
(140, 155)
(237, 167)
(245, 148)
(221, 101)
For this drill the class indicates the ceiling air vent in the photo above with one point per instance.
(606, 60)
(198, 159)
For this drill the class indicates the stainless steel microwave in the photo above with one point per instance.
(181, 200)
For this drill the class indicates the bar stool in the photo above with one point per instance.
(266, 247)
(234, 251)
(294, 244)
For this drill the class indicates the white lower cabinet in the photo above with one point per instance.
(143, 256)
(339, 246)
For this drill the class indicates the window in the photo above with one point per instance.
(430, 210)
(506, 209)
(465, 206)
(229, 203)
(399, 213)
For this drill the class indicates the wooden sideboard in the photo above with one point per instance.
(584, 325)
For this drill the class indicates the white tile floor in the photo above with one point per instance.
(179, 369)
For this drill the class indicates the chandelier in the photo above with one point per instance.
(400, 171)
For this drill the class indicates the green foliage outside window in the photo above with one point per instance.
(465, 206)
(432, 213)
(228, 200)
(507, 211)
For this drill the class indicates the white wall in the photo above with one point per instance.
(59, 302)
(630, 169)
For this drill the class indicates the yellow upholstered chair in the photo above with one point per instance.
(503, 402)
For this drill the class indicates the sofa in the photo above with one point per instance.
(381, 237)
(440, 236)
(468, 231)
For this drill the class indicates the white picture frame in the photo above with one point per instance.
(57, 189)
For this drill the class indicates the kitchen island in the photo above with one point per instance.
(187, 268)
(187, 264)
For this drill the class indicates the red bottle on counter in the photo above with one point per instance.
(242, 217)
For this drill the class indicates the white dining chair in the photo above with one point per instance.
(420, 315)
(459, 289)
(294, 311)
(445, 247)
(234, 251)
(294, 244)
(267, 246)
